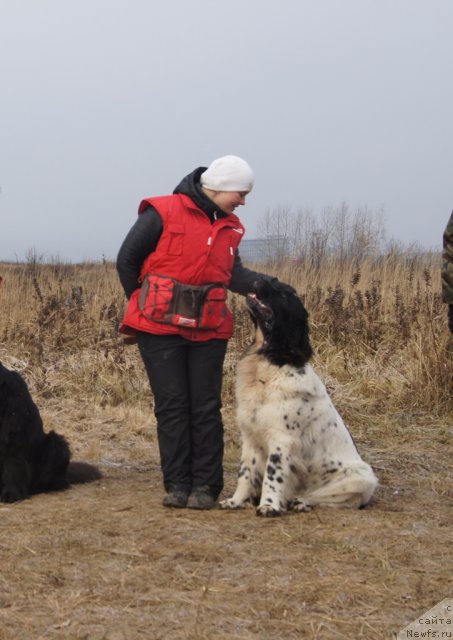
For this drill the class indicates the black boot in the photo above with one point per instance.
(176, 498)
(201, 498)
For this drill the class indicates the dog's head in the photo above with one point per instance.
(281, 323)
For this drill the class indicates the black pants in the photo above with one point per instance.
(186, 381)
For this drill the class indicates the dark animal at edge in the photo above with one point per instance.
(31, 460)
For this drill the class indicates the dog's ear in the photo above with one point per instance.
(285, 288)
(298, 330)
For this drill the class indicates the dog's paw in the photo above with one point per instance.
(299, 506)
(229, 503)
(268, 511)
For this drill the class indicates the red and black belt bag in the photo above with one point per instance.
(168, 301)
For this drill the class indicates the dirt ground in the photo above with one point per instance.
(106, 561)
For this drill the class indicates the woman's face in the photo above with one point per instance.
(228, 200)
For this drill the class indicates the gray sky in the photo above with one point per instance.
(104, 102)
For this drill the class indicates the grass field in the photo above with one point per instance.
(107, 561)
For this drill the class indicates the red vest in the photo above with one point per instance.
(192, 251)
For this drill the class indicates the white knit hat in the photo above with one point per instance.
(228, 173)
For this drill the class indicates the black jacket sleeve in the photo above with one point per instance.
(141, 240)
(243, 280)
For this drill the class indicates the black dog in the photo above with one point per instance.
(32, 461)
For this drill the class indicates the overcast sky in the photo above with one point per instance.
(105, 102)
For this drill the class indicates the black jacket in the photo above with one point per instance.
(144, 235)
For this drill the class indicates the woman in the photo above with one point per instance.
(175, 265)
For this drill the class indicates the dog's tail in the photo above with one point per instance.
(49, 460)
(81, 472)
(53, 469)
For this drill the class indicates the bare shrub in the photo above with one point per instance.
(338, 233)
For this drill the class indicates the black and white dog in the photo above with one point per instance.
(296, 450)
(32, 461)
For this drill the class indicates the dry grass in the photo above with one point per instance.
(106, 561)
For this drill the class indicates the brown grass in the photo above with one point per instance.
(106, 561)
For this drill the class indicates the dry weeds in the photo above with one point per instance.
(107, 561)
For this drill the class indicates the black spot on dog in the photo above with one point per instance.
(258, 479)
(270, 471)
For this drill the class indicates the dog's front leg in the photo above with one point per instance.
(248, 487)
(274, 498)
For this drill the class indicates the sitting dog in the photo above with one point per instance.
(296, 450)
(32, 461)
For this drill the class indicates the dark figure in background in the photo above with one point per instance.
(447, 270)
(175, 266)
